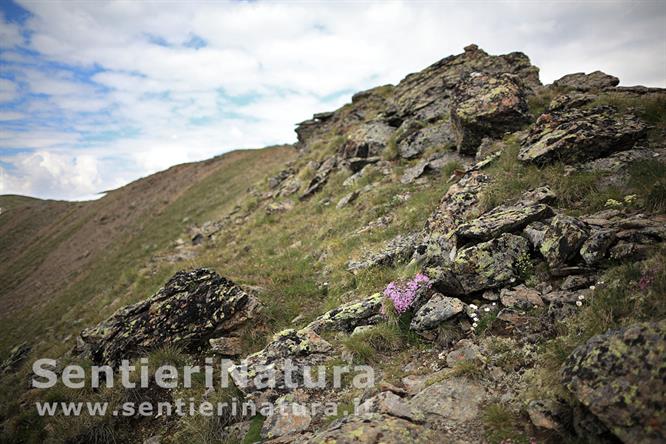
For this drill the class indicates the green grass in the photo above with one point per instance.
(576, 191)
(630, 293)
(502, 425)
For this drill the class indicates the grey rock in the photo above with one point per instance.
(437, 310)
(595, 248)
(563, 239)
(287, 419)
(487, 265)
(487, 106)
(453, 400)
(595, 81)
(577, 135)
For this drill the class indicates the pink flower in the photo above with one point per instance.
(403, 295)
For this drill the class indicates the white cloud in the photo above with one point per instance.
(107, 89)
(8, 90)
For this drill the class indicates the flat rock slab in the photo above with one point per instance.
(452, 400)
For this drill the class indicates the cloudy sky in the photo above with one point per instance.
(94, 94)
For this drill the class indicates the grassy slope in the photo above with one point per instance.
(112, 276)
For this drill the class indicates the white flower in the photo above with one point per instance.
(473, 307)
(494, 303)
(579, 303)
(581, 297)
(486, 309)
(592, 287)
(474, 325)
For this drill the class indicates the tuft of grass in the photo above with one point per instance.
(469, 368)
(501, 425)
(451, 167)
(254, 434)
(168, 355)
(648, 177)
(388, 337)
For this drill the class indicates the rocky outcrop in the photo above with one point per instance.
(192, 307)
(619, 377)
(487, 106)
(579, 135)
(594, 81)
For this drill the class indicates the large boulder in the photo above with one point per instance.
(192, 307)
(487, 265)
(620, 376)
(594, 81)
(578, 135)
(487, 106)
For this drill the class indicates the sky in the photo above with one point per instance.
(95, 94)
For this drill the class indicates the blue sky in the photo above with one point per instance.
(96, 94)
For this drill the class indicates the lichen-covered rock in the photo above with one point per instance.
(349, 316)
(374, 428)
(368, 140)
(192, 307)
(399, 248)
(521, 297)
(596, 247)
(501, 219)
(619, 376)
(460, 199)
(453, 400)
(562, 240)
(320, 178)
(487, 265)
(487, 106)
(438, 309)
(578, 135)
(16, 356)
(415, 141)
(288, 418)
(594, 81)
(301, 347)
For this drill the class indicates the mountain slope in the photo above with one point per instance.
(535, 213)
